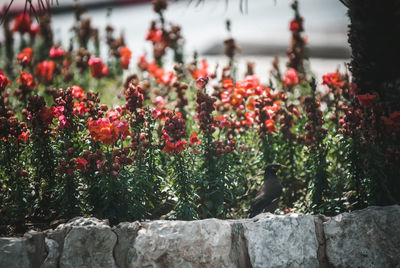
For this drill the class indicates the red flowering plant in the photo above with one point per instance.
(338, 94)
(125, 57)
(212, 184)
(107, 171)
(22, 24)
(14, 182)
(45, 71)
(43, 158)
(173, 135)
(97, 68)
(26, 85)
(25, 57)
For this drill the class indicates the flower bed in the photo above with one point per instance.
(186, 143)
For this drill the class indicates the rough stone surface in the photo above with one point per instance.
(282, 241)
(364, 238)
(205, 243)
(13, 253)
(89, 243)
(27, 251)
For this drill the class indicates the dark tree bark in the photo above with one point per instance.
(374, 37)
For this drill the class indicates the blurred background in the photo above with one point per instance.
(260, 27)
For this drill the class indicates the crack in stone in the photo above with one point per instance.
(239, 248)
(320, 234)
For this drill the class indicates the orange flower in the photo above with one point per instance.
(332, 80)
(194, 140)
(249, 118)
(251, 104)
(171, 147)
(102, 130)
(154, 35)
(26, 79)
(126, 56)
(25, 56)
(227, 83)
(270, 124)
(80, 108)
(201, 72)
(78, 93)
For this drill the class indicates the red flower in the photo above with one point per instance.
(294, 26)
(25, 57)
(154, 35)
(23, 136)
(171, 147)
(291, 77)
(27, 80)
(126, 56)
(201, 72)
(332, 80)
(122, 127)
(78, 93)
(3, 81)
(80, 163)
(270, 124)
(97, 68)
(80, 108)
(112, 115)
(56, 52)
(45, 70)
(365, 100)
(103, 130)
(249, 118)
(227, 83)
(22, 24)
(168, 78)
(194, 140)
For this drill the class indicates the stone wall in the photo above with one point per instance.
(364, 238)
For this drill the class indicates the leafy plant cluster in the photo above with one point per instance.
(186, 143)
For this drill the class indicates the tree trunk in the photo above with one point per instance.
(374, 37)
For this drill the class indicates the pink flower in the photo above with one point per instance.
(56, 52)
(291, 77)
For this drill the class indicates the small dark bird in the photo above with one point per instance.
(267, 198)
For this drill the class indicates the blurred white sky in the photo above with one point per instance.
(203, 25)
